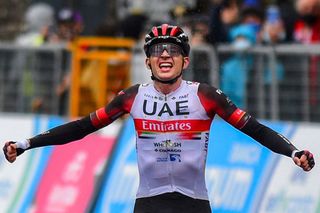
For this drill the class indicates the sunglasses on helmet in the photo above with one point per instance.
(156, 50)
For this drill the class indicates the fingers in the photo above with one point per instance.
(297, 161)
(309, 163)
(305, 160)
(10, 151)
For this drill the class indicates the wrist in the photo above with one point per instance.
(24, 144)
(294, 153)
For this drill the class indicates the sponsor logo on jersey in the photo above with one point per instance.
(166, 126)
(146, 135)
(175, 157)
(195, 126)
(167, 150)
(184, 96)
(162, 159)
(219, 92)
(155, 108)
(167, 144)
(190, 136)
(206, 142)
(153, 97)
(238, 118)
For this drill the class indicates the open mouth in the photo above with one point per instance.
(165, 66)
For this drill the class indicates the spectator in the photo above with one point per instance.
(307, 31)
(289, 16)
(199, 31)
(235, 70)
(307, 27)
(253, 18)
(69, 24)
(39, 20)
(243, 36)
(273, 30)
(223, 16)
(204, 65)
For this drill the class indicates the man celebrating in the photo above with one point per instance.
(169, 111)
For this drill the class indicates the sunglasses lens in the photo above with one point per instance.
(172, 49)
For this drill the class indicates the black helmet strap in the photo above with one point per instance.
(171, 81)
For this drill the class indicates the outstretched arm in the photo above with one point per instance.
(63, 134)
(216, 102)
(75, 130)
(278, 143)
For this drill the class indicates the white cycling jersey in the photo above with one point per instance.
(172, 133)
(172, 139)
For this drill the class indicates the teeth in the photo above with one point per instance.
(165, 65)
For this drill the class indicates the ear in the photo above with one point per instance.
(148, 64)
(186, 62)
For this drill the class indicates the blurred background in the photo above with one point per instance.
(263, 54)
(60, 60)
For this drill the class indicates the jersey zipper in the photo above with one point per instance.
(169, 163)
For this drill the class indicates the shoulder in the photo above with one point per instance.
(130, 90)
(190, 85)
(124, 98)
(212, 93)
(208, 90)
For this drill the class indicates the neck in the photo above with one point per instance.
(167, 88)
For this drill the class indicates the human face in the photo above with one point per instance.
(166, 61)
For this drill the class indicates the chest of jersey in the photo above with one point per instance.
(182, 104)
(172, 138)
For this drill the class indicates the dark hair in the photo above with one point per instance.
(251, 11)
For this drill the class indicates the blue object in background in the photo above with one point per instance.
(120, 183)
(238, 168)
(38, 159)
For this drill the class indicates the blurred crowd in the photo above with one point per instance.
(212, 21)
(45, 25)
(241, 23)
(280, 21)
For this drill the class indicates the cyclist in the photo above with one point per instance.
(176, 114)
